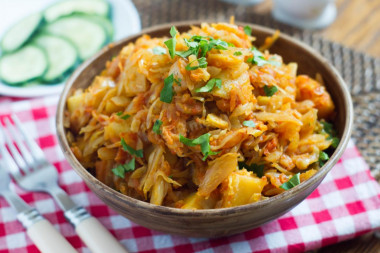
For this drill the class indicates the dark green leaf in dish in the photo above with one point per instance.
(258, 169)
(323, 157)
(202, 63)
(247, 30)
(171, 43)
(293, 181)
(210, 85)
(167, 92)
(156, 127)
(203, 141)
(130, 150)
(121, 169)
(270, 90)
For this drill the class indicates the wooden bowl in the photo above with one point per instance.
(214, 222)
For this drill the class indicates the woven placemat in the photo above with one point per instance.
(360, 71)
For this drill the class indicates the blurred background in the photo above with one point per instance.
(356, 25)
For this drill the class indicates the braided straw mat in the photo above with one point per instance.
(360, 71)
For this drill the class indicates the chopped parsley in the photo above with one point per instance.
(130, 150)
(200, 45)
(167, 93)
(210, 85)
(171, 43)
(258, 169)
(238, 53)
(247, 30)
(270, 90)
(249, 123)
(159, 50)
(259, 59)
(124, 117)
(293, 181)
(193, 49)
(203, 141)
(328, 129)
(335, 142)
(121, 169)
(157, 126)
(202, 63)
(323, 157)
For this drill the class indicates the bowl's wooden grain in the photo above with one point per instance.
(216, 222)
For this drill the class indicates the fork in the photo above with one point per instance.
(33, 172)
(43, 234)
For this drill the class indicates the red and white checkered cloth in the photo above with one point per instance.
(345, 205)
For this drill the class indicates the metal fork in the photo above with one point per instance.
(33, 172)
(41, 231)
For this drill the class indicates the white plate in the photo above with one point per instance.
(125, 18)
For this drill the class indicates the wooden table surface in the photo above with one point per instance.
(356, 26)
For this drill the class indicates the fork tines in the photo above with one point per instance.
(27, 155)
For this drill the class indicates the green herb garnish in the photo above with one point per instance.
(249, 123)
(329, 129)
(203, 141)
(159, 50)
(202, 44)
(335, 142)
(121, 169)
(130, 150)
(270, 90)
(157, 126)
(238, 53)
(323, 157)
(167, 93)
(210, 85)
(124, 117)
(171, 43)
(258, 169)
(248, 30)
(202, 63)
(295, 180)
(259, 59)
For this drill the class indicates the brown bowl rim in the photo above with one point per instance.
(77, 166)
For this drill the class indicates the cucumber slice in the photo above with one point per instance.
(104, 22)
(68, 7)
(21, 32)
(88, 37)
(24, 65)
(61, 54)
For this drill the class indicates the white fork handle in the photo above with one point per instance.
(97, 237)
(48, 239)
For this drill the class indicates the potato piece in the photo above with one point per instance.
(241, 187)
(194, 202)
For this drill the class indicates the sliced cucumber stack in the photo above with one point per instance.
(61, 54)
(68, 7)
(46, 47)
(87, 36)
(20, 33)
(104, 22)
(25, 65)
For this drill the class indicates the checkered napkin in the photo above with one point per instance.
(345, 205)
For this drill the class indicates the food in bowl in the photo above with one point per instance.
(201, 120)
